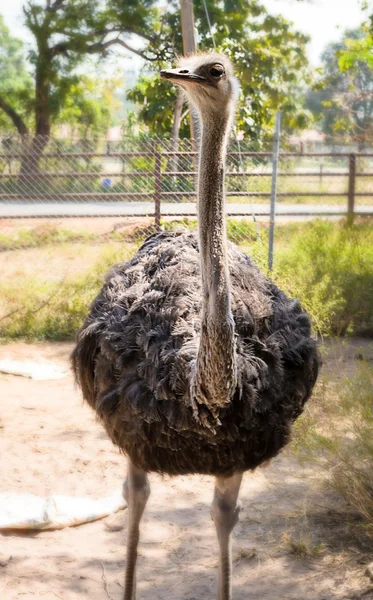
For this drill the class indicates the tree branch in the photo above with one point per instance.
(97, 47)
(62, 47)
(102, 46)
(128, 29)
(14, 116)
(55, 6)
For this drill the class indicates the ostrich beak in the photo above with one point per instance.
(181, 75)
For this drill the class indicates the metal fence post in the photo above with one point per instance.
(276, 146)
(351, 188)
(158, 189)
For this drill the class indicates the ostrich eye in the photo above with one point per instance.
(216, 71)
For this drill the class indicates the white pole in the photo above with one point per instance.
(276, 147)
(189, 47)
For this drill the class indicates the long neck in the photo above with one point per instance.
(215, 374)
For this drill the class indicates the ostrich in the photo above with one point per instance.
(194, 361)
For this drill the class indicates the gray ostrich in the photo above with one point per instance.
(194, 361)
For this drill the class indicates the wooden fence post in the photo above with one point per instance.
(351, 188)
(158, 189)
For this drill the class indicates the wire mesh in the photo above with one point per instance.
(323, 179)
(156, 179)
(146, 178)
(69, 209)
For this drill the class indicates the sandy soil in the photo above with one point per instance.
(65, 261)
(96, 225)
(50, 443)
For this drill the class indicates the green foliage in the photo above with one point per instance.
(336, 438)
(54, 310)
(341, 99)
(90, 105)
(41, 236)
(357, 51)
(15, 81)
(269, 58)
(13, 74)
(66, 32)
(330, 268)
(269, 55)
(156, 99)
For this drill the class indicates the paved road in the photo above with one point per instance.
(136, 209)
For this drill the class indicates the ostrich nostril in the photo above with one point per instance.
(184, 71)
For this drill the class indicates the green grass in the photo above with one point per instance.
(335, 438)
(327, 265)
(41, 236)
(297, 185)
(34, 308)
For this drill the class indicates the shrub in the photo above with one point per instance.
(329, 267)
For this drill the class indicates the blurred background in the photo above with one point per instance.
(71, 69)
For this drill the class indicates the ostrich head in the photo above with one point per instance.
(208, 81)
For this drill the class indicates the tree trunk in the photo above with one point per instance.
(14, 116)
(30, 178)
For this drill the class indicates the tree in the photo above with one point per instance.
(358, 50)
(157, 105)
(15, 83)
(269, 58)
(90, 105)
(67, 31)
(343, 99)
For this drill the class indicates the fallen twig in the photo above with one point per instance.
(103, 577)
(10, 314)
(55, 593)
(40, 307)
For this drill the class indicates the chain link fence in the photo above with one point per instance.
(136, 184)
(49, 172)
(152, 182)
(71, 209)
(341, 180)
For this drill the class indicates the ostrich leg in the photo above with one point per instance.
(225, 512)
(136, 491)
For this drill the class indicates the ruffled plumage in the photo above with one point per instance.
(137, 347)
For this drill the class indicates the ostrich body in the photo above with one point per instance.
(194, 361)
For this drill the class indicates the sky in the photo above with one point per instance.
(323, 20)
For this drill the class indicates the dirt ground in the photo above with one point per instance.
(293, 541)
(96, 225)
